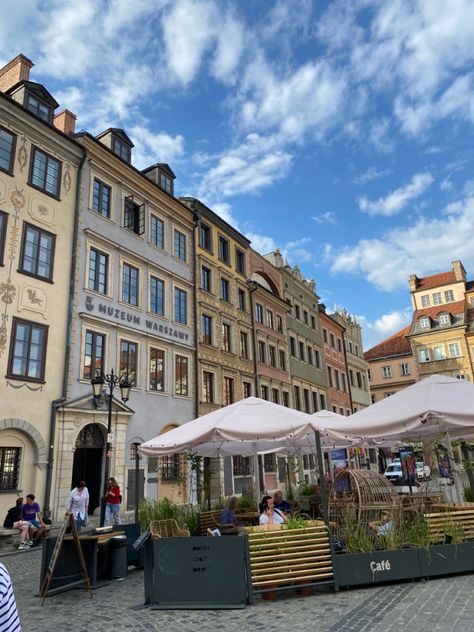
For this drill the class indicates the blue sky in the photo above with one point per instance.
(340, 132)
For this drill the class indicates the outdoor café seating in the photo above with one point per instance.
(167, 529)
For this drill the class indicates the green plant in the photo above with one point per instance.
(416, 533)
(453, 530)
(355, 535)
(468, 495)
(305, 489)
(296, 522)
(149, 510)
(247, 499)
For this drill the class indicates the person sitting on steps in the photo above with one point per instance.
(13, 521)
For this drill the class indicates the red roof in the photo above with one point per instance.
(425, 283)
(433, 312)
(393, 346)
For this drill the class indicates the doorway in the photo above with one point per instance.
(87, 464)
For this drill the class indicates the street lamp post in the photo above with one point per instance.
(110, 381)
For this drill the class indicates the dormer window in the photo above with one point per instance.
(425, 323)
(38, 107)
(120, 148)
(134, 216)
(166, 183)
(444, 319)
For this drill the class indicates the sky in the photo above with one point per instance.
(340, 132)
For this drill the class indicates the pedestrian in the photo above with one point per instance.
(9, 619)
(13, 521)
(78, 504)
(113, 498)
(31, 512)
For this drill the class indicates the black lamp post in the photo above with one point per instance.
(111, 381)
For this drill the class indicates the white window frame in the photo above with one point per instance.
(456, 347)
(444, 319)
(437, 298)
(386, 371)
(425, 300)
(425, 323)
(423, 355)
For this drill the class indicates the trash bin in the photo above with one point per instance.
(118, 557)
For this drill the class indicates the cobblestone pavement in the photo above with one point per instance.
(431, 606)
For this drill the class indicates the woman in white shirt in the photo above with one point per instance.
(269, 514)
(78, 504)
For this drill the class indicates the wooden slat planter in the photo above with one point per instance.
(439, 524)
(279, 558)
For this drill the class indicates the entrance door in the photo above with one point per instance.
(87, 464)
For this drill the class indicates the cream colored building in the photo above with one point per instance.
(38, 195)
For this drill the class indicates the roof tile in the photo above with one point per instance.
(393, 346)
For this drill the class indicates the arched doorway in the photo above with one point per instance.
(87, 464)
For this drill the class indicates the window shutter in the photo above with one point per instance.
(141, 219)
(128, 213)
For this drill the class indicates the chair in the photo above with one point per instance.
(167, 529)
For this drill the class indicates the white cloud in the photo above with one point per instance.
(373, 332)
(153, 147)
(262, 243)
(423, 247)
(325, 218)
(371, 174)
(398, 199)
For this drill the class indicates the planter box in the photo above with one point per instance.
(447, 559)
(357, 569)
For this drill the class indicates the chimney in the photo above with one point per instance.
(413, 282)
(16, 70)
(458, 269)
(65, 122)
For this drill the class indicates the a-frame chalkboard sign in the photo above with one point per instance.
(71, 523)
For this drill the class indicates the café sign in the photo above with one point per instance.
(136, 321)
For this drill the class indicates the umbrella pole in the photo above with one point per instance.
(322, 478)
(257, 476)
(457, 485)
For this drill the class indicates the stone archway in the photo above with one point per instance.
(88, 461)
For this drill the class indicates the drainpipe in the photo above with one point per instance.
(67, 355)
(197, 390)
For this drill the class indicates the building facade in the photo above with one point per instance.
(338, 396)
(133, 313)
(39, 168)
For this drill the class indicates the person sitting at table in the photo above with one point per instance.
(228, 513)
(279, 503)
(269, 514)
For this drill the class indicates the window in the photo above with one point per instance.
(228, 391)
(439, 353)
(444, 319)
(313, 326)
(264, 391)
(225, 292)
(206, 329)
(101, 198)
(240, 261)
(307, 404)
(344, 382)
(41, 109)
(338, 383)
(166, 183)
(423, 355)
(224, 253)
(28, 350)
(208, 387)
(7, 150)
(302, 355)
(369, 374)
(157, 296)
(272, 355)
(241, 465)
(279, 322)
(449, 296)
(134, 216)
(309, 354)
(359, 379)
(128, 360)
(305, 316)
(286, 399)
(454, 351)
(297, 398)
(339, 345)
(258, 313)
(98, 271)
(37, 252)
(157, 232)
(317, 357)
(351, 377)
(315, 401)
(45, 173)
(262, 354)
(282, 360)
(425, 300)
(241, 299)
(206, 279)
(169, 468)
(244, 345)
(425, 323)
(333, 340)
(330, 380)
(180, 306)
(292, 346)
(205, 237)
(156, 370)
(325, 335)
(130, 284)
(275, 397)
(121, 149)
(247, 389)
(94, 354)
(297, 312)
(179, 245)
(181, 375)
(9, 468)
(269, 319)
(404, 368)
(437, 300)
(269, 460)
(226, 337)
(3, 234)
(386, 371)
(322, 399)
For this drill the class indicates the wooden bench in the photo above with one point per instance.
(209, 520)
(281, 557)
(454, 523)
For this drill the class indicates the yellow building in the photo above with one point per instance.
(38, 176)
(439, 330)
